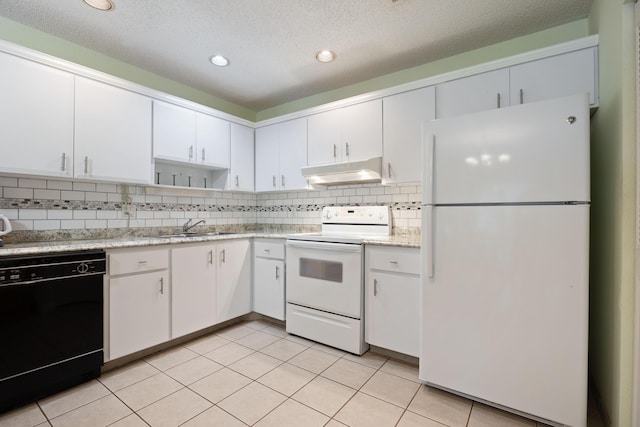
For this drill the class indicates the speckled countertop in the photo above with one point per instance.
(34, 248)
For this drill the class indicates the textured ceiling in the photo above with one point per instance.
(271, 43)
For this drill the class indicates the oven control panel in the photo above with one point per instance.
(374, 215)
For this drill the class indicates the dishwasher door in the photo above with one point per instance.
(51, 312)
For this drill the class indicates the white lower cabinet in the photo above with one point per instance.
(193, 288)
(268, 282)
(392, 298)
(233, 294)
(139, 300)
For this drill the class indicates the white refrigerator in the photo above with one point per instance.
(505, 258)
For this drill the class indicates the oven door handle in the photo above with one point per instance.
(324, 246)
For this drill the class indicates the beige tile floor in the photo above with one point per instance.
(256, 374)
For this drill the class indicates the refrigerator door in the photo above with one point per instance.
(530, 153)
(504, 313)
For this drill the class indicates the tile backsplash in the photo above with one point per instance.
(77, 209)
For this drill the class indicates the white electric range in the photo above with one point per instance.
(325, 276)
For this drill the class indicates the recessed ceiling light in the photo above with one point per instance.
(219, 60)
(325, 55)
(101, 4)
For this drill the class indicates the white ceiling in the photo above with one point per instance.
(271, 43)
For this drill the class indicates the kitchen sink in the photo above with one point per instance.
(198, 234)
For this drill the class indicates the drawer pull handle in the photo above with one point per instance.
(267, 250)
(393, 262)
(142, 262)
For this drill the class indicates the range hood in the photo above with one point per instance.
(357, 172)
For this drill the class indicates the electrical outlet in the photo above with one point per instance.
(129, 210)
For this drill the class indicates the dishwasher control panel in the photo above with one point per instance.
(31, 269)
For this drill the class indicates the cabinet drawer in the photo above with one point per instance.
(400, 260)
(269, 249)
(137, 260)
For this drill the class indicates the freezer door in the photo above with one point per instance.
(505, 311)
(537, 152)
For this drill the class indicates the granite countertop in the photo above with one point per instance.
(34, 248)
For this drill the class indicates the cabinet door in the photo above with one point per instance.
(174, 132)
(561, 75)
(268, 288)
(193, 289)
(36, 118)
(234, 279)
(138, 312)
(403, 115)
(324, 130)
(479, 92)
(242, 158)
(393, 312)
(112, 133)
(267, 160)
(212, 141)
(293, 154)
(362, 131)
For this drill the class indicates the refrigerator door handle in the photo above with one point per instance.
(428, 243)
(428, 154)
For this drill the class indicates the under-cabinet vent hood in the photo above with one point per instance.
(357, 172)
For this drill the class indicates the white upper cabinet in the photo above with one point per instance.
(112, 133)
(281, 152)
(403, 115)
(474, 93)
(267, 158)
(324, 137)
(241, 174)
(174, 132)
(212, 141)
(346, 134)
(556, 76)
(293, 154)
(36, 118)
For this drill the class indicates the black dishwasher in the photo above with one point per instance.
(51, 323)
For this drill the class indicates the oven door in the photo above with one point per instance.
(325, 276)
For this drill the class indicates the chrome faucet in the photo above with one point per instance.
(188, 226)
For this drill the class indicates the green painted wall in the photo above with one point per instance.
(613, 157)
(26, 36)
(555, 35)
